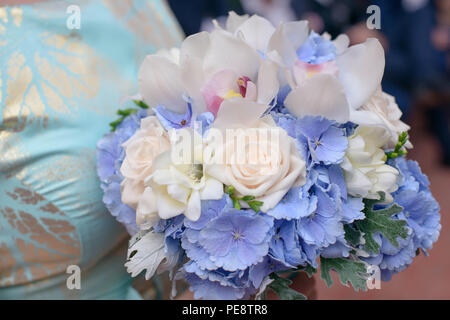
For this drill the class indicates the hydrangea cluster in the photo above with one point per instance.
(334, 191)
(110, 155)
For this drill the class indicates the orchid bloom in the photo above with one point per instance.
(210, 68)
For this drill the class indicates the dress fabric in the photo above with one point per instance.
(60, 87)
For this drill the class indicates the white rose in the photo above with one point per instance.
(140, 151)
(382, 111)
(264, 167)
(365, 169)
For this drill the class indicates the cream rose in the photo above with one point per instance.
(140, 151)
(383, 112)
(266, 165)
(365, 169)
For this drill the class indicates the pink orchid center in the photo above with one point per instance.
(225, 85)
(304, 70)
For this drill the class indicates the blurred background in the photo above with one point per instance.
(416, 38)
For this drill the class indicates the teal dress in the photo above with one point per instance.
(60, 86)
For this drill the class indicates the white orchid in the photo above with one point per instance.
(212, 67)
(335, 89)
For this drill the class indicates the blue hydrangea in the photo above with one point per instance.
(237, 239)
(288, 248)
(316, 49)
(284, 245)
(217, 284)
(392, 259)
(258, 272)
(324, 225)
(325, 141)
(420, 211)
(318, 139)
(173, 120)
(190, 240)
(110, 155)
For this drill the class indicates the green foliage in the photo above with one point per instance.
(381, 221)
(398, 151)
(281, 287)
(123, 113)
(353, 271)
(250, 200)
(140, 104)
(352, 235)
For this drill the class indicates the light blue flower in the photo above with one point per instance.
(325, 141)
(190, 238)
(316, 49)
(237, 239)
(339, 249)
(420, 209)
(110, 155)
(392, 259)
(217, 284)
(173, 120)
(296, 203)
(284, 245)
(257, 273)
(323, 226)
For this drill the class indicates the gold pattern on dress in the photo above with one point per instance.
(147, 25)
(51, 81)
(16, 14)
(47, 244)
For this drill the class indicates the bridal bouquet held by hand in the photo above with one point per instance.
(255, 151)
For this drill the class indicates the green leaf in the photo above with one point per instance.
(248, 198)
(352, 235)
(310, 270)
(348, 271)
(229, 190)
(255, 205)
(123, 113)
(236, 203)
(402, 139)
(141, 104)
(281, 287)
(381, 221)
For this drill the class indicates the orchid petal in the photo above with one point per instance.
(268, 84)
(160, 83)
(238, 112)
(256, 31)
(321, 95)
(229, 53)
(361, 69)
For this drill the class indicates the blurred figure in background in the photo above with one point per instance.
(275, 11)
(196, 15)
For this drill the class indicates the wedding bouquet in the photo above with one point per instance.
(257, 151)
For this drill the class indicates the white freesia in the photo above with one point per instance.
(382, 111)
(365, 169)
(176, 188)
(265, 166)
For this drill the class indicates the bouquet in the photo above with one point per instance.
(257, 151)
